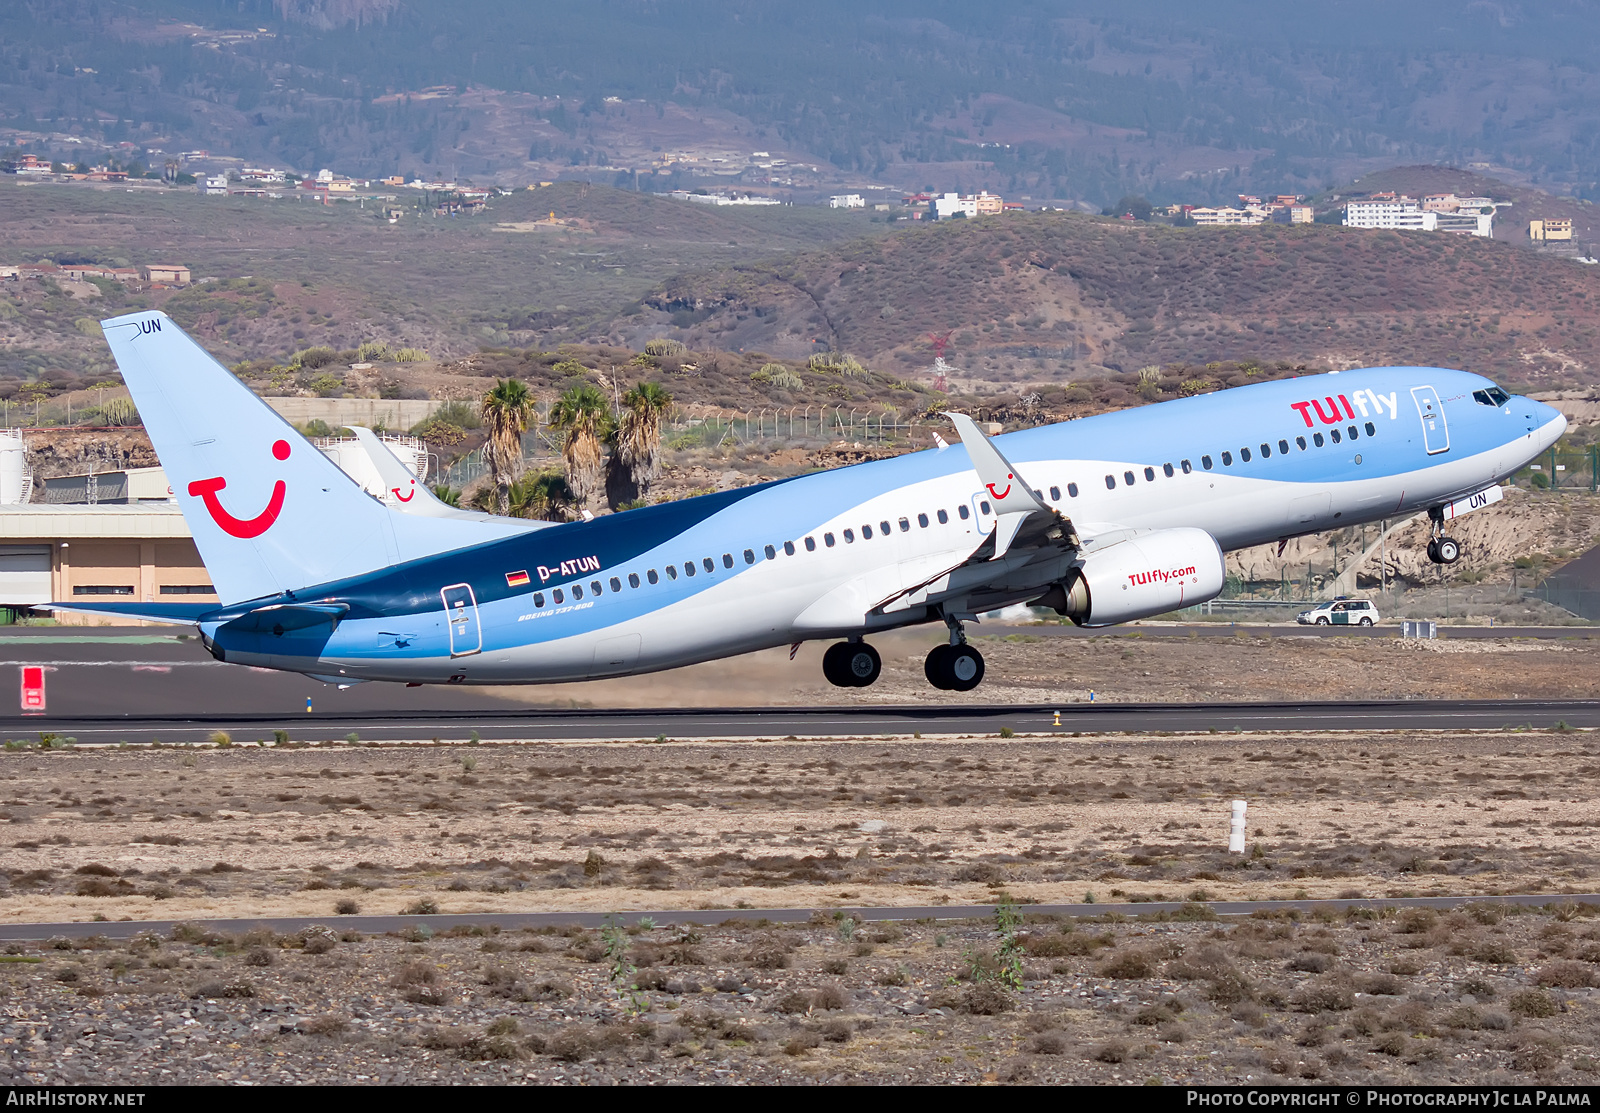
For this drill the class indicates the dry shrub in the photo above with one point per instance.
(1533, 1003)
(1380, 985)
(1128, 964)
(444, 1039)
(1566, 975)
(416, 973)
(579, 1041)
(895, 977)
(1494, 950)
(1112, 1051)
(985, 999)
(769, 952)
(650, 978)
(836, 1031)
(1328, 994)
(830, 996)
(1415, 921)
(258, 956)
(1393, 1044)
(328, 1024)
(1464, 1017)
(836, 966)
(1046, 1043)
(802, 1043)
(1533, 1057)
(1310, 963)
(491, 1049)
(1061, 945)
(223, 989)
(426, 995)
(796, 1002)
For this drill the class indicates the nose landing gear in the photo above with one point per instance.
(1442, 549)
(955, 666)
(851, 664)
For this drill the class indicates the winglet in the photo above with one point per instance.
(1010, 492)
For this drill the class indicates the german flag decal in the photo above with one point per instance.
(516, 579)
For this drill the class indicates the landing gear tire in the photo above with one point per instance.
(961, 668)
(851, 664)
(1447, 550)
(936, 667)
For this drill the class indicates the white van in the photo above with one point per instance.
(1340, 612)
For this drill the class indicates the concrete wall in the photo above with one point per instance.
(396, 415)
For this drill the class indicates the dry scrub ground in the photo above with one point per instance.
(173, 834)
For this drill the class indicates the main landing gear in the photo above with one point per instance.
(955, 666)
(851, 664)
(1442, 549)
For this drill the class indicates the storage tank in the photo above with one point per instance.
(14, 485)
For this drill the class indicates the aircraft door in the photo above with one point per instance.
(1435, 433)
(983, 513)
(461, 612)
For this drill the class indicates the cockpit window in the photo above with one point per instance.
(1494, 396)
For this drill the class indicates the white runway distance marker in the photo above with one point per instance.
(1236, 828)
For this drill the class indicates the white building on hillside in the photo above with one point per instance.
(1400, 213)
(847, 201)
(1227, 216)
(950, 205)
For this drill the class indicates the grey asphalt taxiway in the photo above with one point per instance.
(149, 685)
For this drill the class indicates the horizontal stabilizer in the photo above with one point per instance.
(183, 614)
(282, 617)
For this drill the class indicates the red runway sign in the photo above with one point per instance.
(32, 690)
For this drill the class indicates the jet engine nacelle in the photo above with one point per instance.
(1148, 574)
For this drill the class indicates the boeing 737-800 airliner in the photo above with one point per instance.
(1106, 519)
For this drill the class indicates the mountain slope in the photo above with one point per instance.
(1057, 294)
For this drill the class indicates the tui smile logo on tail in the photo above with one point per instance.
(246, 528)
(411, 492)
(1000, 494)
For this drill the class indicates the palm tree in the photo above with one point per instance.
(544, 496)
(507, 409)
(450, 496)
(583, 415)
(636, 451)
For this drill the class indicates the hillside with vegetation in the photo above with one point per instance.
(1063, 295)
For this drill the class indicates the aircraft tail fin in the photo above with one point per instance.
(268, 511)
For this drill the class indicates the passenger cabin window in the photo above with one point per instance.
(963, 512)
(772, 554)
(866, 533)
(1283, 447)
(944, 518)
(811, 544)
(633, 579)
(1127, 477)
(558, 597)
(1334, 433)
(594, 586)
(749, 556)
(1149, 475)
(652, 577)
(1316, 439)
(1227, 459)
(788, 548)
(727, 560)
(1205, 462)
(1055, 494)
(672, 571)
(1266, 451)
(922, 520)
(1352, 432)
(905, 525)
(1244, 455)
(538, 599)
(884, 526)
(688, 568)
(1372, 430)
(982, 506)
(577, 591)
(1072, 490)
(1111, 483)
(849, 537)
(1301, 441)
(827, 539)
(616, 584)
(708, 564)
(1166, 469)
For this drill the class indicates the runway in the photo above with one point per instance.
(515, 921)
(147, 686)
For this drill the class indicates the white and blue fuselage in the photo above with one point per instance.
(843, 553)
